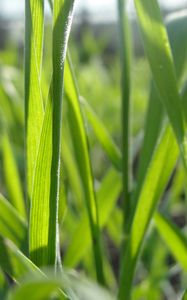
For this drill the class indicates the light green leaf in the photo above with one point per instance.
(34, 24)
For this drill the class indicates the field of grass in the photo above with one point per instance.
(93, 156)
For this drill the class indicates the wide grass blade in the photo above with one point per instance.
(159, 171)
(34, 24)
(12, 225)
(12, 179)
(173, 237)
(159, 54)
(44, 205)
(80, 145)
(106, 203)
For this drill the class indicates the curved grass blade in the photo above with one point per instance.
(174, 239)
(106, 202)
(44, 205)
(12, 178)
(159, 54)
(12, 225)
(159, 171)
(34, 25)
(80, 144)
(103, 136)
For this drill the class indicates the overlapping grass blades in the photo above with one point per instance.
(106, 203)
(44, 203)
(157, 48)
(80, 145)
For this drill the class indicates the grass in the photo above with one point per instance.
(67, 214)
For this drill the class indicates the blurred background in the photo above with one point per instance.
(94, 50)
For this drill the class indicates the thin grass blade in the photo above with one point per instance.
(106, 203)
(103, 136)
(14, 262)
(12, 225)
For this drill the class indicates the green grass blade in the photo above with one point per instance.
(176, 25)
(103, 136)
(159, 171)
(153, 126)
(174, 239)
(12, 178)
(38, 288)
(125, 62)
(80, 144)
(43, 227)
(159, 54)
(69, 165)
(106, 203)
(12, 225)
(14, 262)
(34, 23)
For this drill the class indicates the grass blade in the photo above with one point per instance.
(43, 227)
(15, 263)
(12, 178)
(106, 202)
(12, 225)
(159, 54)
(34, 23)
(80, 144)
(174, 239)
(125, 50)
(103, 136)
(159, 171)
